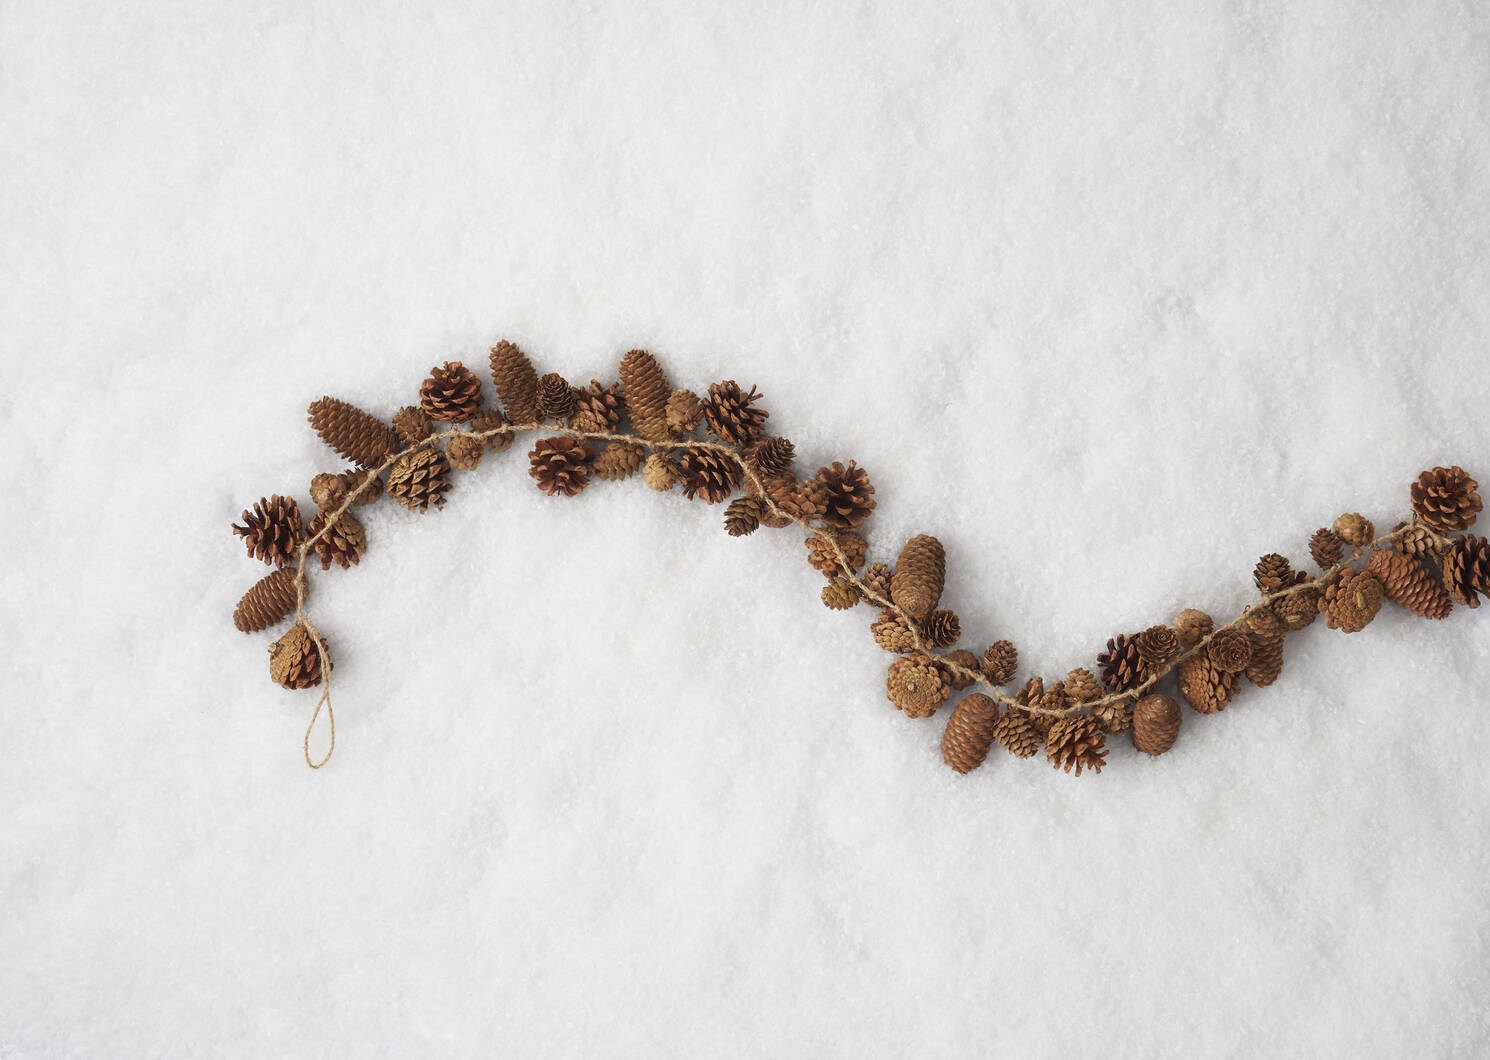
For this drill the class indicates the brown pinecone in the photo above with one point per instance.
(967, 660)
(800, 500)
(822, 557)
(1191, 627)
(1266, 631)
(916, 685)
(660, 473)
(1446, 499)
(464, 451)
(1157, 645)
(969, 733)
(1122, 666)
(765, 492)
(876, 579)
(328, 491)
(742, 517)
(941, 629)
(684, 413)
(1231, 649)
(730, 414)
(619, 460)
(1016, 735)
(1054, 698)
(517, 383)
(556, 397)
(412, 424)
(359, 436)
(490, 419)
(1355, 529)
(773, 456)
(1351, 600)
(1030, 696)
(419, 479)
(270, 599)
(451, 394)
(343, 544)
(1156, 724)
(597, 408)
(1416, 540)
(1205, 686)
(647, 391)
(891, 633)
(850, 494)
(707, 472)
(273, 530)
(1466, 569)
(920, 573)
(1326, 547)
(1000, 662)
(294, 661)
(561, 464)
(1076, 741)
(840, 594)
(1298, 609)
(1082, 687)
(354, 478)
(1115, 715)
(1272, 573)
(1408, 583)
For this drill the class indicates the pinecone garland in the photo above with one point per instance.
(850, 494)
(647, 390)
(965, 659)
(619, 460)
(1408, 583)
(941, 629)
(1231, 650)
(343, 544)
(451, 394)
(294, 661)
(822, 557)
(561, 464)
(1446, 498)
(742, 517)
(970, 732)
(1272, 573)
(267, 601)
(916, 685)
(556, 397)
(1351, 600)
(1122, 665)
(464, 452)
(1016, 735)
(730, 414)
(1466, 569)
(891, 633)
(708, 473)
(840, 594)
(1156, 724)
(412, 424)
(1355, 529)
(517, 383)
(1191, 627)
(1076, 741)
(1326, 548)
(1157, 645)
(359, 436)
(273, 530)
(876, 578)
(773, 456)
(660, 473)
(1000, 662)
(920, 572)
(597, 408)
(684, 413)
(1205, 686)
(419, 479)
(328, 491)
(490, 419)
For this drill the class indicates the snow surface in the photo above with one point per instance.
(1111, 297)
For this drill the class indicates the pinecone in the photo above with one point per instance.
(891, 633)
(1030, 696)
(1272, 573)
(1191, 627)
(517, 383)
(1446, 499)
(1115, 715)
(354, 479)
(273, 530)
(359, 436)
(647, 391)
(561, 464)
(343, 544)
(800, 500)
(1205, 686)
(1466, 569)
(451, 394)
(1416, 540)
(464, 451)
(556, 397)
(760, 490)
(619, 460)
(1351, 600)
(684, 413)
(1266, 630)
(329, 491)
(742, 517)
(969, 733)
(730, 414)
(1231, 650)
(773, 456)
(270, 599)
(294, 661)
(1055, 699)
(822, 557)
(490, 420)
(597, 408)
(850, 494)
(1355, 529)
(1326, 548)
(1082, 687)
(1076, 741)
(876, 579)
(1122, 665)
(1156, 724)
(412, 424)
(1298, 609)
(1016, 735)
(920, 572)
(707, 472)
(1157, 645)
(660, 473)
(916, 685)
(840, 594)
(1408, 583)
(941, 629)
(967, 660)
(1000, 662)
(419, 479)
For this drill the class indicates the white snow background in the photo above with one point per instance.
(1111, 297)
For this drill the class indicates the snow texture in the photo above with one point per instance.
(1111, 297)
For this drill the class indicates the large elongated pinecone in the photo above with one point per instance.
(707, 473)
(822, 557)
(1466, 569)
(891, 633)
(1272, 573)
(294, 661)
(1446, 498)
(273, 530)
(1122, 664)
(730, 414)
(1351, 600)
(1000, 662)
(1205, 686)
(1267, 632)
(917, 685)
(419, 479)
(773, 456)
(969, 732)
(1408, 583)
(1077, 741)
(561, 464)
(359, 436)
(1015, 733)
(920, 574)
(451, 394)
(517, 383)
(343, 544)
(647, 391)
(1326, 547)
(597, 408)
(850, 494)
(268, 600)
(1156, 724)
(619, 460)
(684, 413)
(556, 397)
(489, 419)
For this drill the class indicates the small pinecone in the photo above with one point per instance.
(742, 517)
(730, 414)
(920, 573)
(1355, 529)
(840, 594)
(1000, 662)
(1205, 686)
(1054, 698)
(1030, 696)
(412, 424)
(1231, 650)
(707, 472)
(850, 494)
(1267, 631)
(660, 473)
(1156, 724)
(1082, 687)
(773, 456)
(891, 633)
(1408, 583)
(916, 685)
(1298, 609)
(941, 629)
(1122, 665)
(967, 660)
(822, 557)
(343, 544)
(270, 599)
(619, 460)
(684, 413)
(597, 408)
(1157, 645)
(359, 436)
(1076, 741)
(1016, 735)
(1115, 715)
(517, 383)
(760, 491)
(800, 500)
(451, 394)
(1272, 573)
(1326, 548)
(647, 390)
(556, 397)
(969, 733)
(561, 464)
(354, 478)
(1466, 569)
(1416, 540)
(1351, 600)
(419, 479)
(329, 491)
(490, 420)
(1192, 626)
(294, 661)
(876, 578)
(464, 452)
(1446, 499)
(273, 530)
